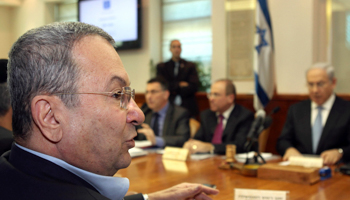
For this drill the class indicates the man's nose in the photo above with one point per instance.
(135, 114)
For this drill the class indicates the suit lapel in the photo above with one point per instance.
(212, 123)
(181, 72)
(231, 121)
(167, 120)
(148, 118)
(332, 119)
(305, 122)
(170, 69)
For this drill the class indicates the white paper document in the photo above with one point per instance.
(201, 156)
(136, 152)
(142, 143)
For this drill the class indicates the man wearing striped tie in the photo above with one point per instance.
(320, 125)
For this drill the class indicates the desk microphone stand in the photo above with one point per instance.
(254, 142)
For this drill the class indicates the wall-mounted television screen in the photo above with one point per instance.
(120, 18)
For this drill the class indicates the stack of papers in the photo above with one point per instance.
(142, 143)
(135, 152)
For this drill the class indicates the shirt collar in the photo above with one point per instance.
(326, 105)
(227, 113)
(114, 188)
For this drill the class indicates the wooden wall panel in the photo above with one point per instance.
(283, 101)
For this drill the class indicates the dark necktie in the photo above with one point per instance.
(176, 68)
(218, 131)
(155, 124)
(317, 129)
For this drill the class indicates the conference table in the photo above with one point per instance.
(150, 173)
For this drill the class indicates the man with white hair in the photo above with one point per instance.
(320, 125)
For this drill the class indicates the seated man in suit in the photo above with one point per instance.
(224, 123)
(74, 119)
(320, 125)
(165, 124)
(6, 137)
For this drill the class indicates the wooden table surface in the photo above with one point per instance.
(150, 173)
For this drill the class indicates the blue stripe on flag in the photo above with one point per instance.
(264, 99)
(265, 10)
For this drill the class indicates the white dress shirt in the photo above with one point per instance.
(226, 115)
(327, 106)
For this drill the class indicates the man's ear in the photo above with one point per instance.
(44, 112)
(231, 98)
(167, 94)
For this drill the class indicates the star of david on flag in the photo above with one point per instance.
(263, 57)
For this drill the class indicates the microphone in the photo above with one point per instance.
(268, 119)
(256, 125)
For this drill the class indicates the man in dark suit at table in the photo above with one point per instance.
(165, 124)
(6, 136)
(320, 125)
(74, 119)
(224, 123)
(182, 77)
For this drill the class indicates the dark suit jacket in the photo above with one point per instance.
(187, 72)
(6, 139)
(236, 130)
(176, 129)
(27, 176)
(297, 129)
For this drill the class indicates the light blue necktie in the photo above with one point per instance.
(317, 129)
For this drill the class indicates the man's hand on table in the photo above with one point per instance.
(291, 151)
(148, 132)
(330, 157)
(184, 191)
(196, 146)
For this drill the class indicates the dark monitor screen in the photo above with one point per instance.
(119, 18)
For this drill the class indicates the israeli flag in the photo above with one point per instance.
(263, 57)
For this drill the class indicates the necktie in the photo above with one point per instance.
(317, 129)
(177, 100)
(218, 132)
(176, 69)
(155, 124)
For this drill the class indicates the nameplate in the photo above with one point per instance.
(173, 153)
(306, 161)
(175, 166)
(248, 194)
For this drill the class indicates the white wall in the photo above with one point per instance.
(5, 30)
(17, 17)
(292, 23)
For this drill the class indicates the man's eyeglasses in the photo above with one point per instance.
(123, 96)
(318, 84)
(152, 92)
(214, 95)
